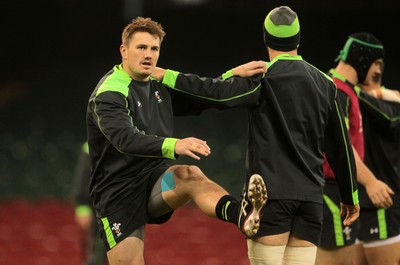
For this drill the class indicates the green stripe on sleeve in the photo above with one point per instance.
(346, 119)
(337, 221)
(170, 77)
(347, 112)
(355, 197)
(168, 148)
(109, 234)
(355, 192)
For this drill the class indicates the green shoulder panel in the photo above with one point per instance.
(337, 75)
(118, 81)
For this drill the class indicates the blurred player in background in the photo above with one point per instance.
(379, 227)
(361, 52)
(293, 118)
(92, 246)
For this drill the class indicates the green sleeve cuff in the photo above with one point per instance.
(355, 197)
(169, 78)
(83, 210)
(227, 74)
(168, 148)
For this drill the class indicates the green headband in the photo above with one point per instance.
(361, 51)
(345, 52)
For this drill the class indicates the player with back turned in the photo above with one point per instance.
(293, 119)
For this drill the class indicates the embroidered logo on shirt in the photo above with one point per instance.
(116, 228)
(159, 100)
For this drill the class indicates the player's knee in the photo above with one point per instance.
(189, 173)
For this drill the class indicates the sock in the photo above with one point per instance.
(227, 209)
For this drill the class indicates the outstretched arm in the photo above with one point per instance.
(244, 70)
(385, 94)
(380, 112)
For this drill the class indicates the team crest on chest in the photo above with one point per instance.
(157, 94)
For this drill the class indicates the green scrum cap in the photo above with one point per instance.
(282, 29)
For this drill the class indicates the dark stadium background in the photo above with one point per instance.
(52, 54)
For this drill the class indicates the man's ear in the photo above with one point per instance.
(123, 52)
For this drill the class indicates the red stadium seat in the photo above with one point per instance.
(45, 233)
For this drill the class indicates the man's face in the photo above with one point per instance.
(141, 55)
(374, 76)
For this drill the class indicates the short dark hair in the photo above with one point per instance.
(141, 24)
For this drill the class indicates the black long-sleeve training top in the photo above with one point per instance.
(293, 119)
(130, 132)
(129, 126)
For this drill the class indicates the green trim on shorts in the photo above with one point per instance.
(337, 220)
(381, 214)
(109, 234)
